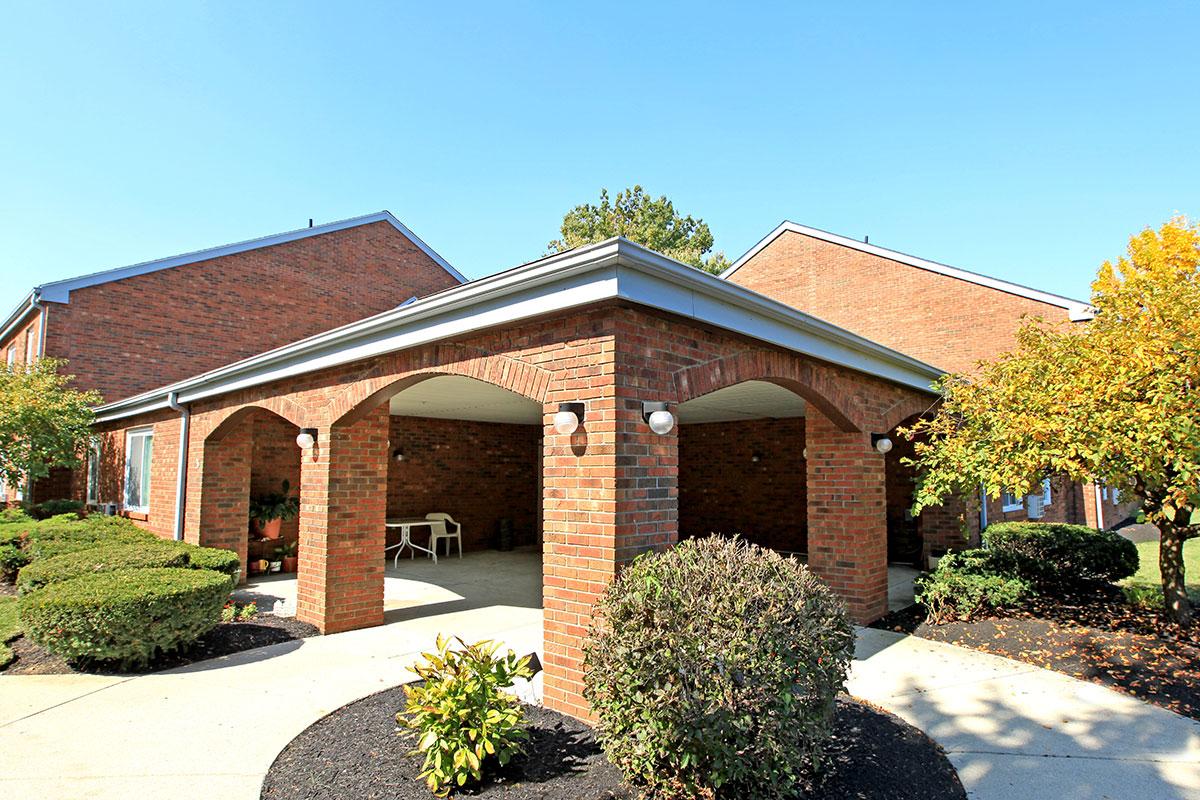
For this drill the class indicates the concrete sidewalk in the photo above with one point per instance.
(211, 730)
(1018, 732)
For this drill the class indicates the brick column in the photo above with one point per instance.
(610, 493)
(847, 515)
(343, 502)
(219, 488)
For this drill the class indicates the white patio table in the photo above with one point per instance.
(406, 524)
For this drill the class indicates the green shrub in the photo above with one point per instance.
(1055, 555)
(14, 515)
(52, 508)
(224, 561)
(126, 618)
(104, 558)
(9, 628)
(64, 534)
(12, 558)
(462, 716)
(713, 670)
(968, 585)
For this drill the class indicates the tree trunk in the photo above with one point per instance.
(1170, 564)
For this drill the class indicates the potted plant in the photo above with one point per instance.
(287, 554)
(270, 510)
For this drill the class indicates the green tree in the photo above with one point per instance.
(640, 218)
(43, 423)
(1115, 399)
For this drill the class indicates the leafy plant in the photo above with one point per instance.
(43, 423)
(1056, 555)
(288, 549)
(275, 505)
(105, 558)
(968, 585)
(54, 508)
(238, 612)
(713, 670)
(14, 515)
(12, 558)
(460, 714)
(1114, 400)
(126, 618)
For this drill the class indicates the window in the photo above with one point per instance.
(1047, 494)
(30, 344)
(1113, 495)
(93, 475)
(1010, 502)
(12, 356)
(139, 445)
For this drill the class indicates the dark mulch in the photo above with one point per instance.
(225, 639)
(358, 752)
(1090, 634)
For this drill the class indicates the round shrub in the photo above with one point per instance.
(713, 668)
(12, 558)
(126, 618)
(1055, 555)
(104, 558)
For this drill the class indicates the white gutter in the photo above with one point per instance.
(1099, 506)
(36, 302)
(181, 471)
(19, 313)
(612, 270)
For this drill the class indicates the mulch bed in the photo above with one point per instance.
(358, 752)
(225, 639)
(1091, 635)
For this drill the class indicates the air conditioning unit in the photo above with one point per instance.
(110, 509)
(1035, 506)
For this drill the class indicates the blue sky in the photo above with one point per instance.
(1022, 141)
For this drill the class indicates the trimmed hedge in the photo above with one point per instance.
(967, 585)
(712, 669)
(12, 559)
(53, 508)
(66, 534)
(126, 618)
(214, 558)
(1055, 555)
(105, 558)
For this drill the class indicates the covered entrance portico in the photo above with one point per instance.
(594, 334)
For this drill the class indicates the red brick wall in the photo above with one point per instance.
(944, 321)
(276, 458)
(23, 340)
(139, 333)
(477, 472)
(722, 489)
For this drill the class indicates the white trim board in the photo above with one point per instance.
(1077, 310)
(616, 269)
(60, 291)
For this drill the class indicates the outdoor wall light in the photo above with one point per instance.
(656, 415)
(306, 438)
(881, 442)
(398, 454)
(756, 457)
(567, 420)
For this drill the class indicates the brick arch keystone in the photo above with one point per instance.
(399, 371)
(816, 384)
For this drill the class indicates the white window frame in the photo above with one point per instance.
(1047, 493)
(1010, 502)
(30, 344)
(93, 475)
(11, 358)
(130, 435)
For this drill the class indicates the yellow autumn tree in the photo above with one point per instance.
(1115, 399)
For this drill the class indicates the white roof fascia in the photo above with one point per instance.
(614, 269)
(60, 291)
(1078, 310)
(18, 315)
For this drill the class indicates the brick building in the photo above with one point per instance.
(945, 316)
(127, 330)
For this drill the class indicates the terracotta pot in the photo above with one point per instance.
(290, 563)
(270, 530)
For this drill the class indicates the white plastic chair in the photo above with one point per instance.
(443, 531)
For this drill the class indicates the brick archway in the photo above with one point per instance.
(396, 373)
(809, 380)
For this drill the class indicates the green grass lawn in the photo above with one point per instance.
(1149, 575)
(8, 627)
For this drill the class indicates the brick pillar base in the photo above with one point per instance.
(847, 515)
(343, 505)
(224, 485)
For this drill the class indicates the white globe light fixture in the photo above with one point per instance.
(656, 415)
(568, 418)
(881, 442)
(306, 438)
